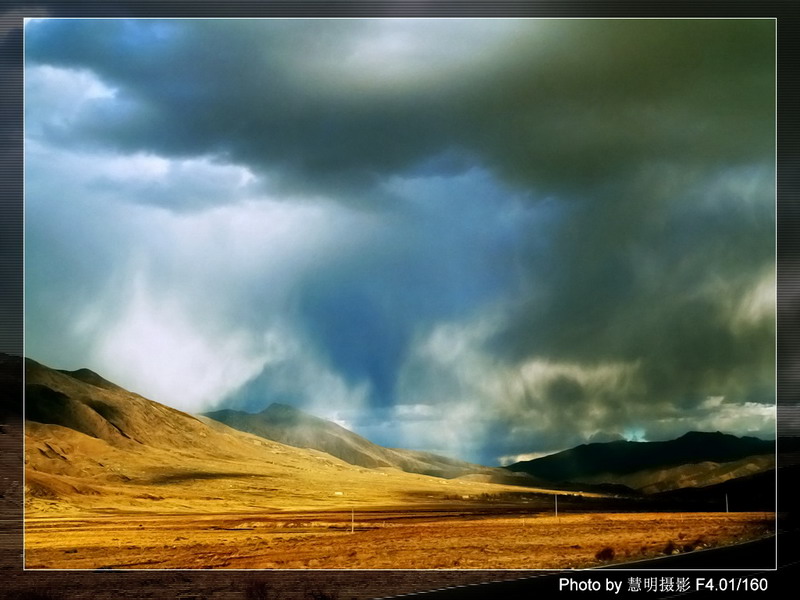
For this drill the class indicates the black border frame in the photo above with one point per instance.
(343, 584)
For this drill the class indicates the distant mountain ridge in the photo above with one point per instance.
(92, 445)
(588, 461)
(294, 427)
(85, 402)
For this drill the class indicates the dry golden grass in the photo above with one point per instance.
(237, 501)
(124, 482)
(118, 451)
(385, 539)
(221, 471)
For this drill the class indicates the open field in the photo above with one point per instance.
(113, 480)
(380, 539)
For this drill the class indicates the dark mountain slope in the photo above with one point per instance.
(104, 410)
(620, 457)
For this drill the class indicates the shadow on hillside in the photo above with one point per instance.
(200, 475)
(532, 502)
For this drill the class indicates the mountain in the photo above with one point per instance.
(93, 378)
(755, 492)
(292, 426)
(93, 446)
(643, 464)
(693, 475)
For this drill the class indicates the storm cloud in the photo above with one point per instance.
(486, 238)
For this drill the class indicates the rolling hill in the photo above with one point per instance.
(696, 459)
(291, 426)
(94, 446)
(91, 443)
(754, 492)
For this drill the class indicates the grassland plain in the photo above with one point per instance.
(377, 539)
(114, 480)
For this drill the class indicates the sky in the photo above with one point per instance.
(492, 239)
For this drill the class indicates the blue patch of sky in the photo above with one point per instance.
(634, 434)
(446, 252)
(450, 248)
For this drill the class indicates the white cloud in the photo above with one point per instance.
(510, 459)
(419, 412)
(55, 97)
(758, 303)
(174, 265)
(156, 350)
(179, 306)
(295, 371)
(740, 418)
(186, 334)
(540, 405)
(135, 167)
(408, 53)
(395, 58)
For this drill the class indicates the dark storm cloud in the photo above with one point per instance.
(424, 266)
(363, 310)
(618, 95)
(562, 229)
(556, 104)
(251, 91)
(662, 291)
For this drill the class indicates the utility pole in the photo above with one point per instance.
(726, 503)
(352, 520)
(555, 497)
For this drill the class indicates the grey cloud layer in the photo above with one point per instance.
(600, 191)
(552, 104)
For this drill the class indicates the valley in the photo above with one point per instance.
(387, 538)
(116, 481)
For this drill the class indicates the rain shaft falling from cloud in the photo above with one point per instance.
(487, 238)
